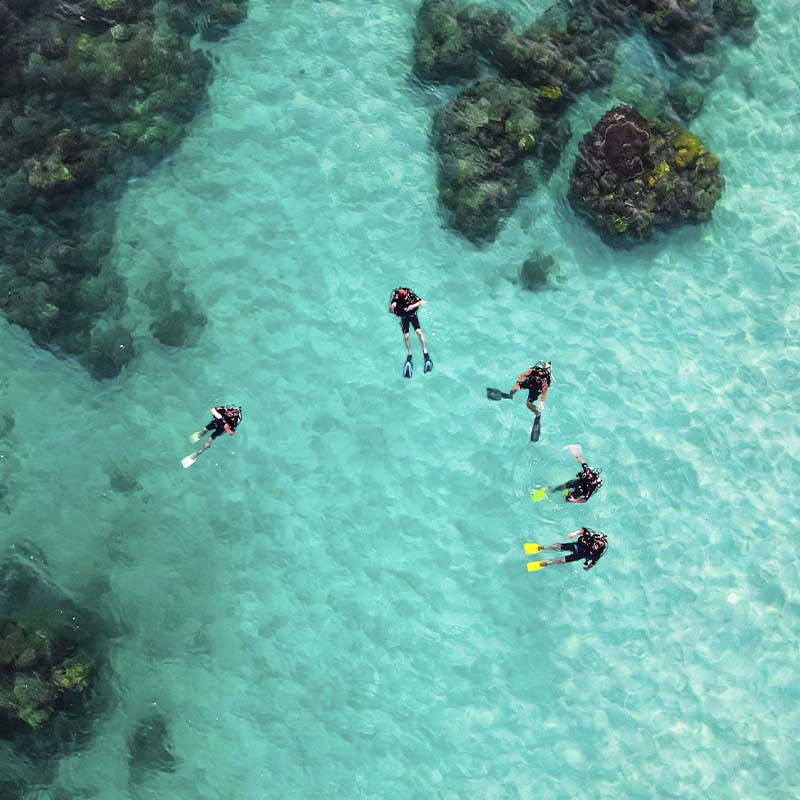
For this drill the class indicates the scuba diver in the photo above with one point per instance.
(580, 488)
(584, 484)
(224, 419)
(404, 304)
(537, 381)
(590, 546)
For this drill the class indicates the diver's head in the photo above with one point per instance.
(544, 367)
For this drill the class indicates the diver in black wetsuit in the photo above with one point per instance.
(404, 304)
(224, 419)
(590, 547)
(537, 381)
(584, 485)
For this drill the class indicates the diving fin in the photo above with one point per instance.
(408, 369)
(428, 365)
(533, 566)
(537, 425)
(531, 548)
(497, 394)
(539, 494)
(189, 460)
(195, 437)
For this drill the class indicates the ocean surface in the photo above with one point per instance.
(334, 603)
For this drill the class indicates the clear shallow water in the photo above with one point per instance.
(334, 603)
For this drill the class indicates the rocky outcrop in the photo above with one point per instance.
(91, 93)
(570, 49)
(633, 176)
(483, 138)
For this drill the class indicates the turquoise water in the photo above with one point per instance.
(334, 603)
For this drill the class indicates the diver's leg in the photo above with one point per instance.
(422, 341)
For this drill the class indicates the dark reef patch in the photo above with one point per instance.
(483, 138)
(536, 272)
(484, 135)
(92, 92)
(634, 175)
(54, 668)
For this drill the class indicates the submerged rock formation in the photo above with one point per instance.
(150, 748)
(444, 49)
(91, 92)
(570, 49)
(53, 668)
(483, 137)
(38, 673)
(633, 176)
(536, 272)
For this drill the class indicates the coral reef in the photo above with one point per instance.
(680, 26)
(444, 48)
(53, 668)
(570, 49)
(483, 137)
(41, 669)
(737, 18)
(91, 92)
(633, 175)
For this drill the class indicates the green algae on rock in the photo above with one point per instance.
(37, 670)
(72, 159)
(633, 176)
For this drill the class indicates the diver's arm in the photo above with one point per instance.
(516, 387)
(215, 413)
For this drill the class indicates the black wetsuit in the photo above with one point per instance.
(401, 304)
(583, 486)
(230, 415)
(590, 547)
(535, 382)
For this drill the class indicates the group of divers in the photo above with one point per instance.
(589, 546)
